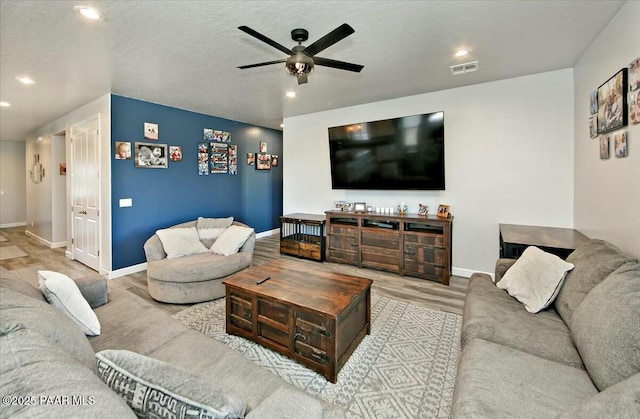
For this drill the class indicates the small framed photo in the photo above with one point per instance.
(263, 146)
(423, 209)
(208, 134)
(263, 161)
(593, 102)
(274, 160)
(634, 107)
(63, 169)
(251, 158)
(634, 75)
(360, 207)
(175, 153)
(123, 150)
(620, 144)
(593, 126)
(604, 147)
(150, 131)
(150, 155)
(612, 103)
(443, 211)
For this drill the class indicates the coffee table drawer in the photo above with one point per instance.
(241, 311)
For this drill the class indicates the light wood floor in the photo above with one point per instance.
(417, 291)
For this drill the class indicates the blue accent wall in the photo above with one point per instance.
(164, 197)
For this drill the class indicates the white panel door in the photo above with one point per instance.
(85, 180)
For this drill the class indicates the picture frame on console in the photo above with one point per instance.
(612, 103)
(360, 207)
(443, 211)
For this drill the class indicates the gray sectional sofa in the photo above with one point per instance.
(44, 354)
(580, 358)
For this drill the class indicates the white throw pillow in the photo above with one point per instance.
(231, 240)
(535, 278)
(209, 229)
(178, 242)
(63, 293)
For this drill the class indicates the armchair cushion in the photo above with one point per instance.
(178, 242)
(209, 229)
(231, 240)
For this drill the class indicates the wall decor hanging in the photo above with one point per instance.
(612, 103)
(263, 146)
(263, 161)
(63, 169)
(274, 160)
(604, 147)
(150, 131)
(634, 107)
(203, 159)
(218, 158)
(37, 170)
(123, 150)
(620, 144)
(634, 75)
(175, 153)
(151, 155)
(233, 159)
(251, 158)
(593, 102)
(217, 135)
(593, 126)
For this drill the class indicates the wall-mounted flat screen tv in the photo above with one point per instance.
(401, 153)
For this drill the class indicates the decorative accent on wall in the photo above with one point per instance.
(150, 131)
(217, 135)
(274, 160)
(634, 75)
(263, 161)
(593, 126)
(620, 144)
(63, 169)
(604, 147)
(219, 158)
(634, 107)
(123, 150)
(263, 146)
(151, 156)
(37, 170)
(203, 159)
(593, 102)
(612, 103)
(175, 153)
(233, 159)
(251, 158)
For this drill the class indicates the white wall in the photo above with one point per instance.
(39, 200)
(607, 192)
(509, 159)
(13, 210)
(59, 212)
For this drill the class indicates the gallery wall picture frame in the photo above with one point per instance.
(122, 150)
(620, 144)
(151, 131)
(263, 146)
(151, 156)
(263, 161)
(634, 107)
(604, 147)
(593, 126)
(251, 158)
(274, 160)
(593, 102)
(634, 75)
(203, 159)
(175, 153)
(612, 103)
(219, 158)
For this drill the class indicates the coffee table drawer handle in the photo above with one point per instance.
(310, 327)
(321, 356)
(299, 336)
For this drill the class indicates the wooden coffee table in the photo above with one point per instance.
(316, 318)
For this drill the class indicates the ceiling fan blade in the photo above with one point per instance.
(329, 39)
(341, 65)
(242, 67)
(302, 79)
(264, 39)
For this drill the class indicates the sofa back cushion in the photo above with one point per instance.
(606, 327)
(46, 320)
(593, 263)
(209, 229)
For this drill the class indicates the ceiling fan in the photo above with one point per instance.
(302, 59)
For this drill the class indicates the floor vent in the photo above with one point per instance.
(460, 69)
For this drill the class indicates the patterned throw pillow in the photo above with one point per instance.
(157, 389)
(209, 229)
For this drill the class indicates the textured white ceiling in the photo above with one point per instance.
(185, 53)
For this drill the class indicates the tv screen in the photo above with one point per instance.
(401, 153)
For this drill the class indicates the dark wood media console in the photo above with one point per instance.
(412, 245)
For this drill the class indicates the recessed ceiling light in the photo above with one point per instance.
(5, 104)
(291, 93)
(462, 53)
(89, 12)
(25, 80)
(281, 125)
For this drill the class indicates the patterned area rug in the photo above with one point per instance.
(10, 252)
(404, 369)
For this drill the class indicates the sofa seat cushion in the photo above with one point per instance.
(606, 327)
(496, 381)
(593, 263)
(48, 321)
(54, 383)
(145, 328)
(491, 314)
(196, 268)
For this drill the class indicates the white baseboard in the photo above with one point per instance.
(9, 225)
(46, 242)
(127, 271)
(268, 233)
(466, 273)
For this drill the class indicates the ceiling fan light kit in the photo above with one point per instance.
(302, 59)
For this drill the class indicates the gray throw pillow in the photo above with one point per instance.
(209, 229)
(606, 327)
(154, 388)
(593, 263)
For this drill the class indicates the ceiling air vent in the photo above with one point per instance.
(460, 69)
